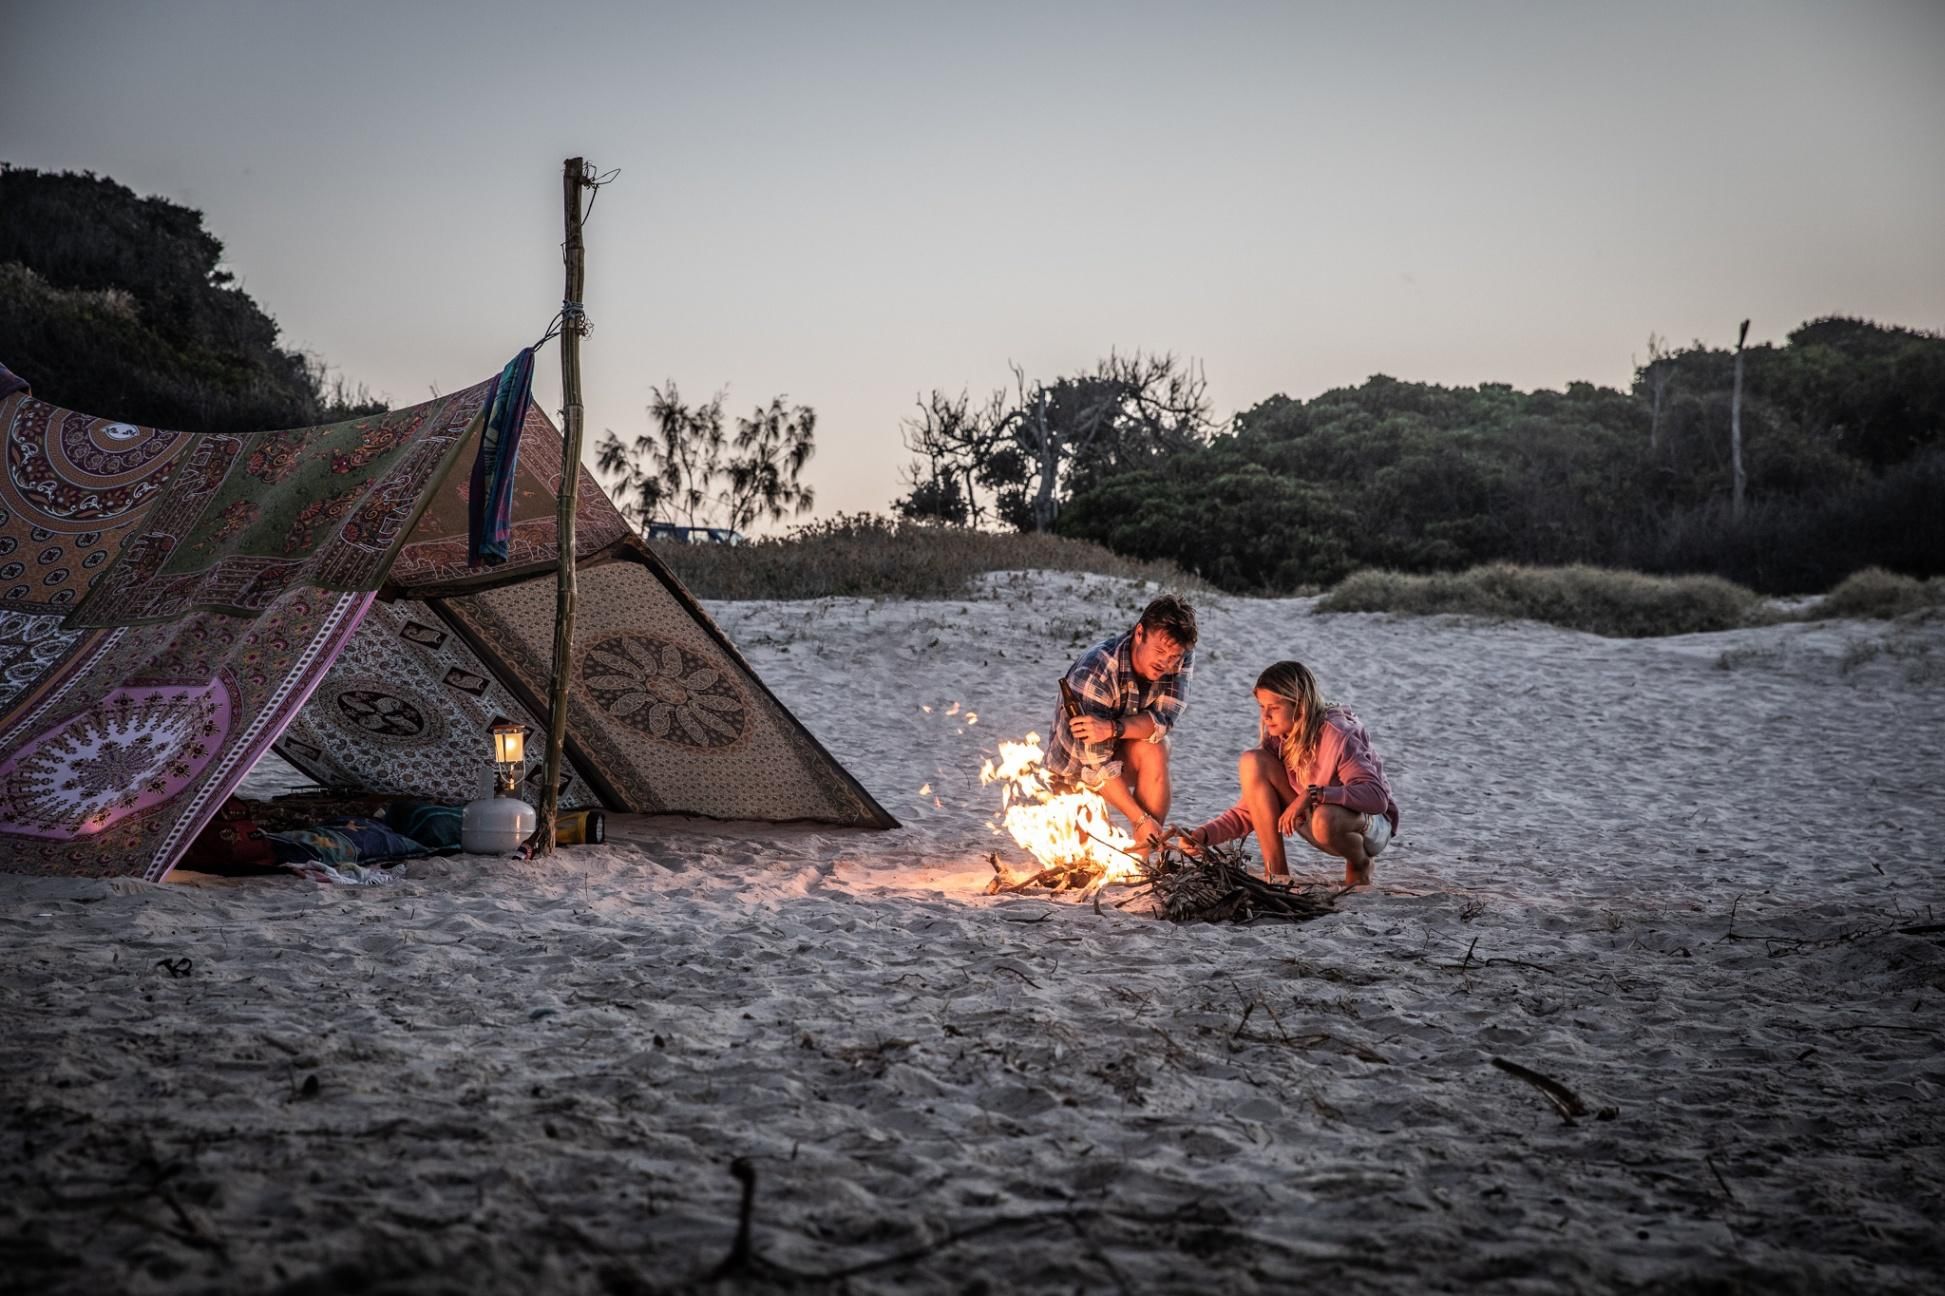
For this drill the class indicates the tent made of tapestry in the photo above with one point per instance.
(173, 605)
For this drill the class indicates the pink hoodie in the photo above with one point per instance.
(1345, 767)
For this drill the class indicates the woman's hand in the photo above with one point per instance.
(1091, 730)
(1190, 840)
(1298, 812)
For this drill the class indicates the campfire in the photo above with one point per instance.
(1078, 848)
(1066, 830)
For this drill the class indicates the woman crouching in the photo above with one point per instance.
(1313, 774)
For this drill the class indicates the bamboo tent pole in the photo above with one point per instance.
(574, 176)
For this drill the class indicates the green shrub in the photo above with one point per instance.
(1614, 603)
(868, 556)
(1879, 594)
(119, 306)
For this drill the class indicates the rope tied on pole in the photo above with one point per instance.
(573, 314)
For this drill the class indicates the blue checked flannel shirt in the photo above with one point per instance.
(1105, 679)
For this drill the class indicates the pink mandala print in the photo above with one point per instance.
(134, 749)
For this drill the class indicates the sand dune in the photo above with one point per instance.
(1694, 880)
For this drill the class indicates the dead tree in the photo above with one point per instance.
(956, 443)
(1735, 425)
(1129, 405)
(1026, 445)
(1656, 375)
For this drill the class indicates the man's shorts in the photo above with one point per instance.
(1091, 777)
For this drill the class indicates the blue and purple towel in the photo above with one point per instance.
(489, 502)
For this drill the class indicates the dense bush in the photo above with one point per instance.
(1843, 461)
(871, 556)
(116, 305)
(1618, 604)
(1878, 594)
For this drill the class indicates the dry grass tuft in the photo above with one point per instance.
(1619, 604)
(875, 557)
(1876, 594)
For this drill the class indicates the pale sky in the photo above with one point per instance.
(853, 203)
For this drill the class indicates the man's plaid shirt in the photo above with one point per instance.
(1109, 689)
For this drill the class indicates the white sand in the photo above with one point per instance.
(1665, 873)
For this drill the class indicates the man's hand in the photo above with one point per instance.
(1298, 811)
(1090, 730)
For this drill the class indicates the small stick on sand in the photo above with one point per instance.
(1564, 1100)
(1727, 1191)
(738, 1261)
(1002, 967)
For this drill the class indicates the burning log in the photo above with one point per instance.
(1061, 877)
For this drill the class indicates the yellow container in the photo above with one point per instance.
(580, 828)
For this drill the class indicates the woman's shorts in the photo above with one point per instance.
(1377, 833)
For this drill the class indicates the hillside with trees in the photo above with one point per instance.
(1841, 430)
(118, 305)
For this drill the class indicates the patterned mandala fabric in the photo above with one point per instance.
(169, 602)
(663, 714)
(116, 757)
(434, 558)
(407, 709)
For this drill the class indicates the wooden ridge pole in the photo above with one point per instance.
(573, 324)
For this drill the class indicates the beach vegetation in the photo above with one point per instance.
(870, 556)
(1842, 462)
(1613, 603)
(122, 306)
(1876, 594)
(1015, 458)
(689, 468)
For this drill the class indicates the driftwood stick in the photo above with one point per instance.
(1564, 1100)
(740, 1257)
(1727, 1191)
(1002, 967)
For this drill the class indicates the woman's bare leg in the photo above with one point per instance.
(1266, 790)
(1337, 831)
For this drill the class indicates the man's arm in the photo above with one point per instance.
(1135, 728)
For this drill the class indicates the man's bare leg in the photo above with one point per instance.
(1266, 790)
(1145, 766)
(1141, 791)
(1117, 793)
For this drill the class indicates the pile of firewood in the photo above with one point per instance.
(1215, 885)
(1212, 885)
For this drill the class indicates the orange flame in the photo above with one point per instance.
(1060, 829)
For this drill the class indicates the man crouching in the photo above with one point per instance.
(1128, 692)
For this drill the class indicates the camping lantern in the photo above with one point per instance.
(510, 754)
(499, 824)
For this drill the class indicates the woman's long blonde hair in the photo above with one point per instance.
(1294, 682)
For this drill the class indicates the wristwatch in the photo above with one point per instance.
(1117, 729)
